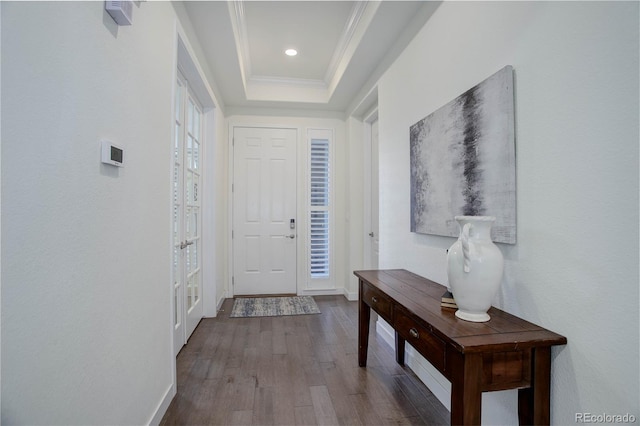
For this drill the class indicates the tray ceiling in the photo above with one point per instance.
(343, 47)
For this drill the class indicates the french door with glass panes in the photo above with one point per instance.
(187, 218)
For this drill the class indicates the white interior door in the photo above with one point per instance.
(264, 211)
(187, 217)
(374, 233)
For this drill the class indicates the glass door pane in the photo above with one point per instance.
(177, 269)
(192, 217)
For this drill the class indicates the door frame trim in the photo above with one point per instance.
(181, 48)
(186, 60)
(368, 120)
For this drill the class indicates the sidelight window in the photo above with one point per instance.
(320, 203)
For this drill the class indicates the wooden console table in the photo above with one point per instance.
(504, 353)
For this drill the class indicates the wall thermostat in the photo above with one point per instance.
(112, 154)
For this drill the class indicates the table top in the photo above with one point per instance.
(421, 297)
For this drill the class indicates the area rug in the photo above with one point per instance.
(273, 306)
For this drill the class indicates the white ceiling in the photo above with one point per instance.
(344, 46)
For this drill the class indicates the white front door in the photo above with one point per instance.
(187, 217)
(264, 211)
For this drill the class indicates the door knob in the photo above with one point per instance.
(371, 234)
(185, 244)
(292, 236)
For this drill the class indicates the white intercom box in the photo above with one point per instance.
(112, 154)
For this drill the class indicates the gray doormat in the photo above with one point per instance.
(273, 306)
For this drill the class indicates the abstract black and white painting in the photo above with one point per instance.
(463, 161)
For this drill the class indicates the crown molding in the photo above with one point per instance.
(238, 23)
(318, 90)
(346, 38)
(289, 82)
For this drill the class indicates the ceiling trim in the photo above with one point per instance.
(293, 82)
(315, 91)
(345, 39)
(238, 24)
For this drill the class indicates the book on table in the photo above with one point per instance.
(448, 301)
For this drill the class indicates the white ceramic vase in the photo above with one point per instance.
(474, 268)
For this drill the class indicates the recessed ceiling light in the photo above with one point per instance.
(291, 52)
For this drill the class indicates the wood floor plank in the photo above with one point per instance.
(249, 364)
(218, 347)
(201, 367)
(263, 407)
(291, 374)
(365, 409)
(322, 352)
(237, 345)
(305, 416)
(393, 391)
(340, 389)
(264, 373)
(278, 336)
(240, 418)
(295, 370)
(217, 411)
(384, 400)
(283, 408)
(312, 371)
(244, 388)
(429, 413)
(206, 394)
(284, 391)
(323, 406)
(182, 403)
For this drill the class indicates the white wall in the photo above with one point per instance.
(0, 224)
(574, 268)
(355, 204)
(340, 243)
(218, 172)
(85, 247)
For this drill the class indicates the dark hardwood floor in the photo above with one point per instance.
(295, 370)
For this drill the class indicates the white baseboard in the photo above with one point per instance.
(436, 382)
(351, 295)
(220, 302)
(163, 406)
(322, 292)
(385, 331)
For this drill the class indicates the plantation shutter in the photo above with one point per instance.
(319, 244)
